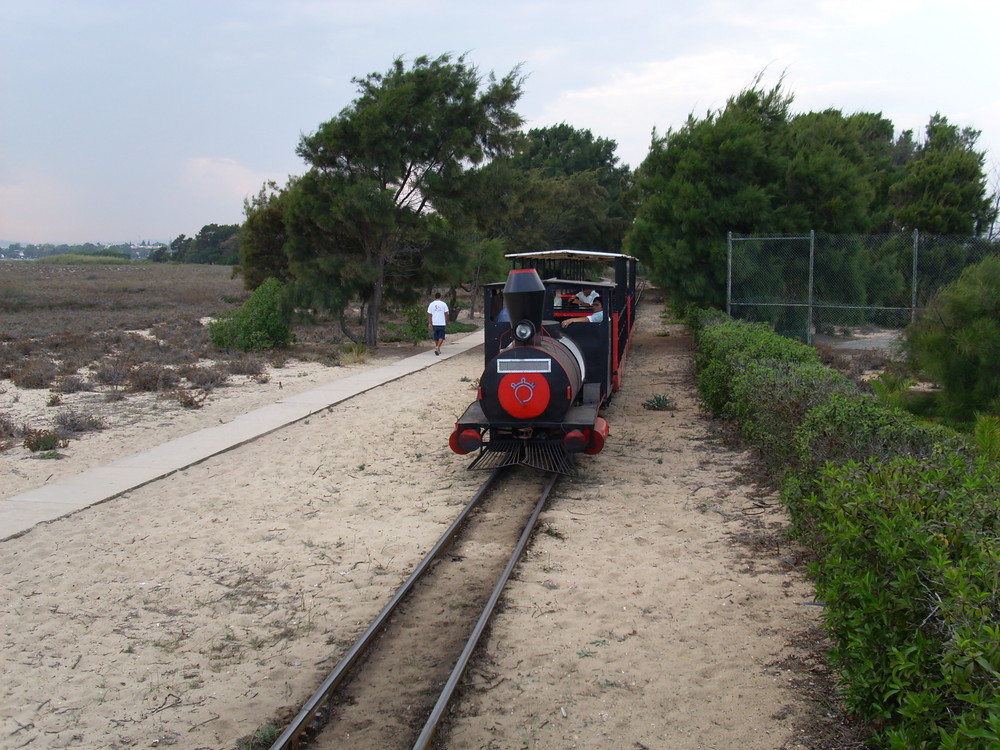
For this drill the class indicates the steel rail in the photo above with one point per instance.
(430, 727)
(289, 738)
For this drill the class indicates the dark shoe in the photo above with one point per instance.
(437, 353)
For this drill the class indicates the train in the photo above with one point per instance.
(555, 349)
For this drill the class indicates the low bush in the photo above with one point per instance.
(903, 522)
(150, 377)
(113, 371)
(909, 582)
(36, 372)
(354, 354)
(726, 347)
(246, 365)
(206, 377)
(414, 326)
(42, 440)
(8, 429)
(73, 384)
(769, 400)
(854, 426)
(259, 324)
(71, 422)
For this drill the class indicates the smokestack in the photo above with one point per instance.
(524, 296)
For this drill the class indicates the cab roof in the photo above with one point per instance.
(598, 255)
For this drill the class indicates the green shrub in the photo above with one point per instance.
(42, 440)
(660, 402)
(770, 399)
(986, 435)
(909, 581)
(260, 323)
(727, 347)
(956, 341)
(903, 520)
(414, 326)
(854, 426)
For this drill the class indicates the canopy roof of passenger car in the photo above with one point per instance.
(595, 255)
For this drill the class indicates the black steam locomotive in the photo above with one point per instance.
(555, 347)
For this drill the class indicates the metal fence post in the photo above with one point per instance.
(812, 260)
(916, 251)
(729, 273)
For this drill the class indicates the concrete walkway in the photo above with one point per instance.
(20, 512)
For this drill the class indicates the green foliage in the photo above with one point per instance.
(770, 399)
(893, 387)
(725, 348)
(358, 220)
(262, 237)
(660, 402)
(710, 176)
(956, 341)
(43, 440)
(589, 187)
(943, 189)
(903, 521)
(261, 738)
(87, 252)
(415, 323)
(853, 426)
(909, 581)
(986, 436)
(217, 244)
(260, 323)
(753, 168)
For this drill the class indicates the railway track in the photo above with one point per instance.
(392, 687)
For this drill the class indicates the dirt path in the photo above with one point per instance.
(192, 611)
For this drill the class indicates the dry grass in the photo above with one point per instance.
(128, 329)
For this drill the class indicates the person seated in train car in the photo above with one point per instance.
(595, 317)
(586, 297)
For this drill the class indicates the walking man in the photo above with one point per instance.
(437, 319)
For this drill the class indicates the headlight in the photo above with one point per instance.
(524, 331)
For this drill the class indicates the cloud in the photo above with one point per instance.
(221, 177)
(658, 94)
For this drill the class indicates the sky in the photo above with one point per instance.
(141, 120)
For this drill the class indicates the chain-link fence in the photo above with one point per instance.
(836, 283)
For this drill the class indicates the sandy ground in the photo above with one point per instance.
(195, 609)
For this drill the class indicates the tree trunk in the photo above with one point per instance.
(374, 306)
(347, 331)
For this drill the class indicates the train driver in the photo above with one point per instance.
(586, 297)
(596, 317)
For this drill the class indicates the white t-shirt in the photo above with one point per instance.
(438, 310)
(597, 317)
(587, 299)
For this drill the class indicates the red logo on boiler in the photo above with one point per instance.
(524, 395)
